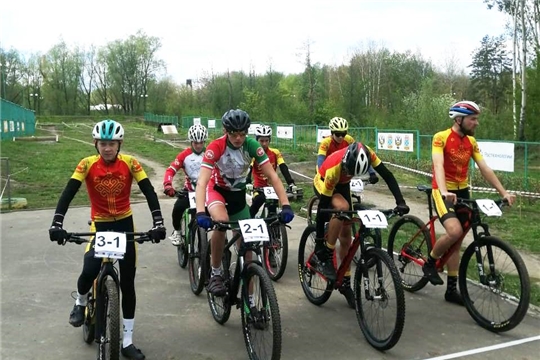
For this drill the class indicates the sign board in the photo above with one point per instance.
(252, 127)
(285, 132)
(169, 129)
(323, 133)
(395, 141)
(196, 121)
(498, 155)
(211, 124)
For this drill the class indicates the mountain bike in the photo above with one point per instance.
(193, 245)
(245, 278)
(275, 251)
(379, 297)
(102, 313)
(493, 279)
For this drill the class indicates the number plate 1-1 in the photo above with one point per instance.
(488, 207)
(373, 219)
(192, 203)
(110, 244)
(254, 230)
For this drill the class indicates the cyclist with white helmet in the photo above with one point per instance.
(189, 160)
(108, 177)
(339, 139)
(222, 185)
(332, 185)
(263, 134)
(452, 150)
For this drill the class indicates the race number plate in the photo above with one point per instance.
(254, 230)
(191, 197)
(373, 219)
(488, 207)
(110, 244)
(270, 193)
(357, 186)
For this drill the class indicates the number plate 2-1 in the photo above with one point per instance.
(357, 185)
(110, 244)
(254, 230)
(373, 219)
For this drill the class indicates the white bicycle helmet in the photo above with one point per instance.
(463, 108)
(197, 133)
(108, 130)
(338, 124)
(263, 131)
(356, 160)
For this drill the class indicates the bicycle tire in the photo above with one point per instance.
(111, 323)
(182, 249)
(320, 293)
(220, 306)
(402, 238)
(312, 205)
(89, 325)
(385, 334)
(267, 320)
(503, 294)
(278, 247)
(197, 259)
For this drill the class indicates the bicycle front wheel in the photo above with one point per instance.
(197, 258)
(261, 322)
(220, 306)
(409, 245)
(276, 251)
(315, 286)
(380, 301)
(312, 205)
(494, 283)
(89, 325)
(110, 346)
(182, 249)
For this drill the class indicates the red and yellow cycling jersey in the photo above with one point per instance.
(276, 159)
(329, 174)
(109, 185)
(457, 152)
(329, 145)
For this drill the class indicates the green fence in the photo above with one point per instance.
(16, 120)
(160, 119)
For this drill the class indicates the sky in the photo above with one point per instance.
(206, 36)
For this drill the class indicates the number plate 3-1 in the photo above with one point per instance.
(254, 230)
(110, 244)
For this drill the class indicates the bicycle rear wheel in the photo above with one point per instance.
(109, 345)
(409, 244)
(494, 283)
(220, 306)
(380, 301)
(198, 263)
(182, 249)
(261, 322)
(315, 286)
(312, 205)
(89, 325)
(276, 251)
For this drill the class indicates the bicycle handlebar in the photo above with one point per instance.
(80, 237)
(387, 212)
(227, 225)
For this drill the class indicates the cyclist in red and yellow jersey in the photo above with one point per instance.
(452, 150)
(339, 139)
(263, 134)
(108, 177)
(332, 186)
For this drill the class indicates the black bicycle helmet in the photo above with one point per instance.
(357, 159)
(236, 120)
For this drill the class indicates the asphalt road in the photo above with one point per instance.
(37, 278)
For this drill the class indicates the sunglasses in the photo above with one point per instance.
(339, 134)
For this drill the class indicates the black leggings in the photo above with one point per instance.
(256, 202)
(181, 204)
(92, 265)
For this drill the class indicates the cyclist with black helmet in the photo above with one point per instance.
(332, 185)
(108, 177)
(339, 139)
(189, 160)
(452, 150)
(263, 134)
(222, 185)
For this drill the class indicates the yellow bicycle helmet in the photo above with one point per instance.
(338, 124)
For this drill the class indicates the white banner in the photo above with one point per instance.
(395, 141)
(169, 129)
(196, 121)
(211, 124)
(285, 132)
(252, 127)
(323, 133)
(498, 155)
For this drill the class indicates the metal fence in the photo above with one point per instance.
(16, 120)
